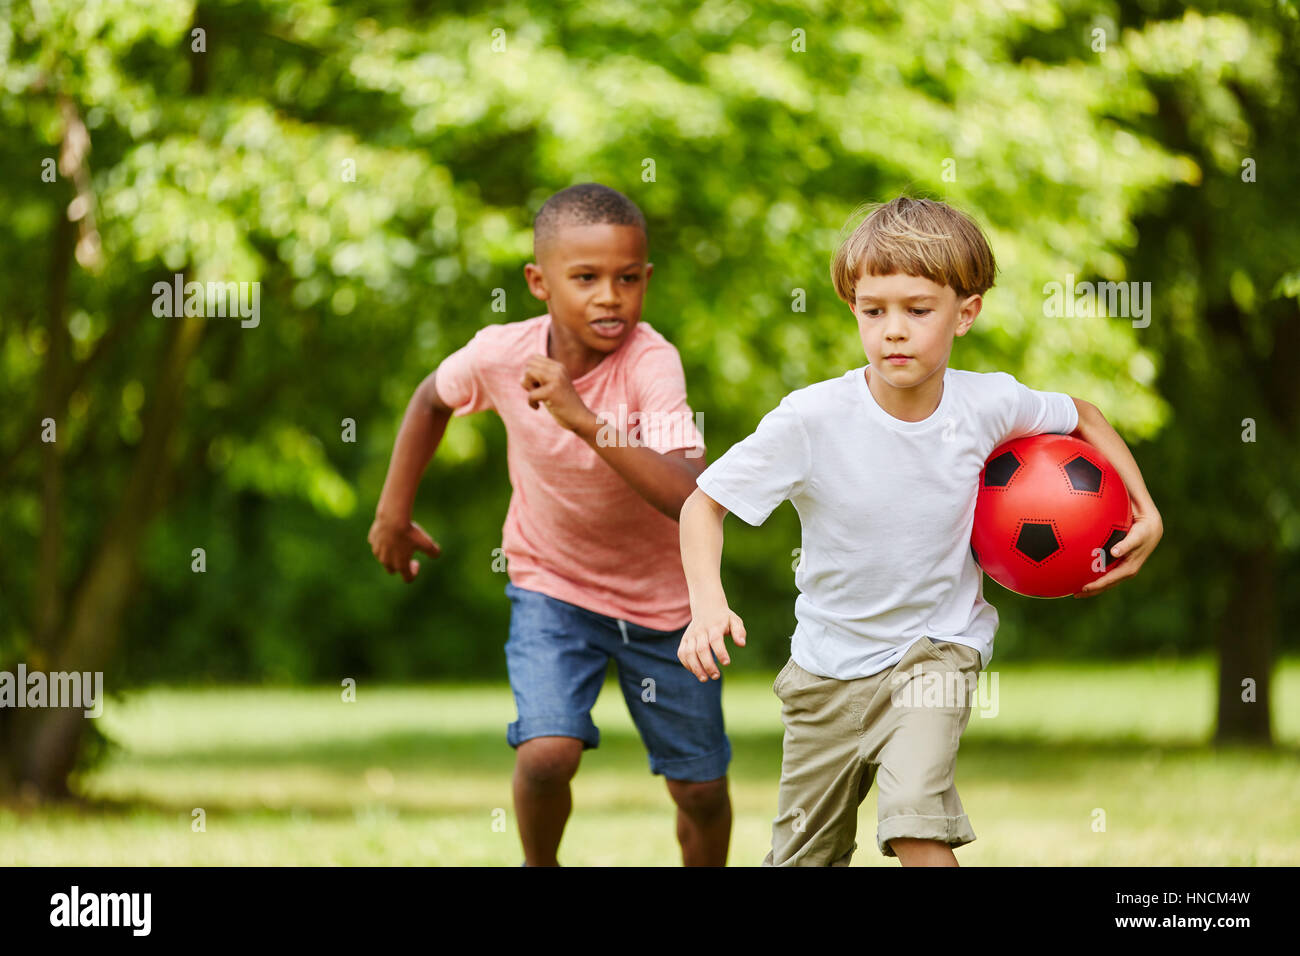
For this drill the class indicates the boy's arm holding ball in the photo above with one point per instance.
(1147, 528)
(665, 479)
(711, 618)
(394, 537)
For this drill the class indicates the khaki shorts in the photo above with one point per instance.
(899, 727)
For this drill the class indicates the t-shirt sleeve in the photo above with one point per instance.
(761, 471)
(1031, 412)
(459, 380)
(666, 421)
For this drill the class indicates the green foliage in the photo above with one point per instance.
(767, 124)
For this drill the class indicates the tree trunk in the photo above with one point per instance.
(43, 744)
(48, 585)
(1246, 634)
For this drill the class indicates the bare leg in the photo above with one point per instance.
(543, 768)
(922, 852)
(703, 820)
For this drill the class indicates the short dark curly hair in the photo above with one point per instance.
(584, 204)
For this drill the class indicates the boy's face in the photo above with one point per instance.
(909, 316)
(593, 279)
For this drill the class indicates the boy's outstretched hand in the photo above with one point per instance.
(1133, 550)
(703, 641)
(393, 543)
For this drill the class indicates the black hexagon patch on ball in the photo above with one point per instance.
(1037, 541)
(999, 472)
(1083, 475)
(1107, 559)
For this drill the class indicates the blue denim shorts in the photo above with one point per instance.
(557, 656)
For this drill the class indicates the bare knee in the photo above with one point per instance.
(700, 799)
(547, 761)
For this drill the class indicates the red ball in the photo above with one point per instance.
(1048, 511)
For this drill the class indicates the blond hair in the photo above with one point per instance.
(917, 237)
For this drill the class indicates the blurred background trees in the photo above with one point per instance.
(375, 167)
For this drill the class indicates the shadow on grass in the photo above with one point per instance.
(446, 758)
(489, 751)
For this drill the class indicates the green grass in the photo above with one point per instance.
(419, 775)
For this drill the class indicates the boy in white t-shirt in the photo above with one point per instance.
(882, 465)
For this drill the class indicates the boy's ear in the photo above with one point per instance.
(536, 281)
(967, 310)
(649, 269)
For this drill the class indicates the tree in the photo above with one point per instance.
(375, 170)
(1226, 252)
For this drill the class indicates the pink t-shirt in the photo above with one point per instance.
(575, 529)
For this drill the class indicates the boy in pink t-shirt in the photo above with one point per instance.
(602, 452)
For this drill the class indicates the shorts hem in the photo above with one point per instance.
(706, 767)
(843, 860)
(954, 831)
(521, 730)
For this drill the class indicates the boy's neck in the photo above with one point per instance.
(577, 358)
(907, 404)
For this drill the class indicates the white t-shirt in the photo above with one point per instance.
(886, 507)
